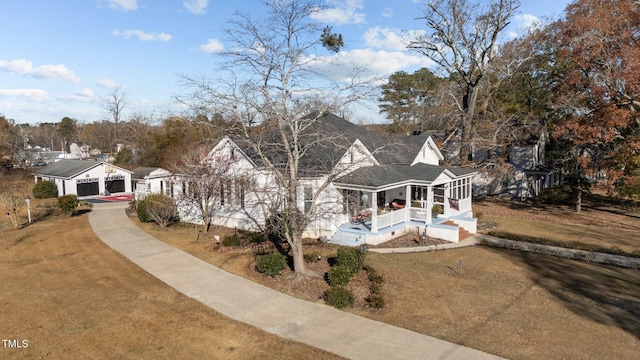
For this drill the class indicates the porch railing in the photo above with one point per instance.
(418, 214)
(392, 218)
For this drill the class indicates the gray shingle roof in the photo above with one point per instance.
(378, 176)
(67, 168)
(331, 136)
(140, 172)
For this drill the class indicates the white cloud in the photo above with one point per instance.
(342, 12)
(212, 46)
(49, 72)
(387, 12)
(31, 94)
(122, 5)
(196, 6)
(142, 36)
(378, 63)
(385, 38)
(107, 83)
(527, 21)
(86, 92)
(84, 95)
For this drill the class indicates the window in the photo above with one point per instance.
(229, 192)
(308, 199)
(460, 189)
(350, 199)
(241, 186)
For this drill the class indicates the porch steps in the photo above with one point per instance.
(462, 233)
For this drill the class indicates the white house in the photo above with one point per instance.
(378, 188)
(79, 150)
(151, 180)
(85, 177)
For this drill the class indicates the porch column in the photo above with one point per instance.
(374, 212)
(429, 204)
(407, 206)
(447, 195)
(546, 180)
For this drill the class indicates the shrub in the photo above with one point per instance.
(338, 297)
(160, 209)
(68, 204)
(376, 301)
(255, 238)
(350, 257)
(231, 240)
(373, 275)
(339, 275)
(141, 211)
(45, 190)
(271, 264)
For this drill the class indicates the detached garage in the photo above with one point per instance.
(86, 177)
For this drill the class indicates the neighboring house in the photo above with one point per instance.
(151, 180)
(79, 150)
(379, 188)
(85, 177)
(526, 173)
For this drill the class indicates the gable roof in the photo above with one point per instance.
(326, 139)
(140, 172)
(70, 168)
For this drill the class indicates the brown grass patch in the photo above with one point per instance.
(605, 228)
(73, 297)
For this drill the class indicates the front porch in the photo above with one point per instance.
(395, 224)
(438, 209)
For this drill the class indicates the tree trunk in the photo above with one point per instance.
(579, 201)
(469, 107)
(299, 266)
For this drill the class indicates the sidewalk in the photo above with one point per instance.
(470, 241)
(321, 326)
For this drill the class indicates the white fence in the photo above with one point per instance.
(392, 218)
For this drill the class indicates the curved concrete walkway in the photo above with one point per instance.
(318, 325)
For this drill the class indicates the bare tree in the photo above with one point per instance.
(274, 74)
(201, 182)
(161, 210)
(114, 103)
(13, 191)
(461, 38)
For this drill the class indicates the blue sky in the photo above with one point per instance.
(60, 58)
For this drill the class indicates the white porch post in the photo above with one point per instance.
(407, 206)
(374, 212)
(447, 195)
(429, 204)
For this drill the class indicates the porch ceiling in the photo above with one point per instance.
(385, 176)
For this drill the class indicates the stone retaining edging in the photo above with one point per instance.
(583, 255)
